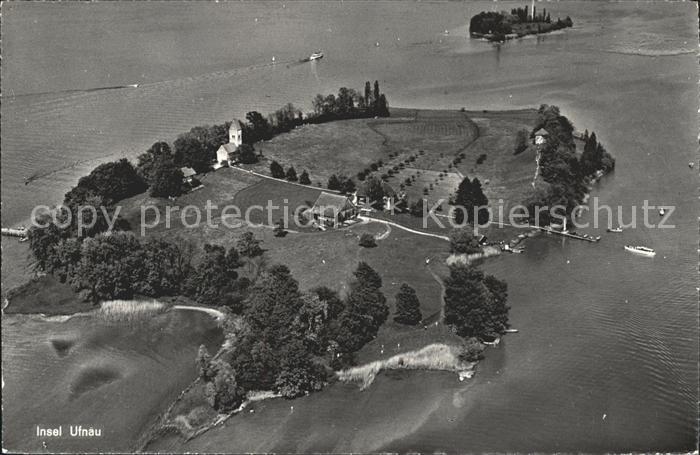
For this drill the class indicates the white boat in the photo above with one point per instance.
(644, 251)
(691, 164)
(662, 212)
(617, 229)
(316, 55)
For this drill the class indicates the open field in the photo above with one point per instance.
(343, 147)
(509, 176)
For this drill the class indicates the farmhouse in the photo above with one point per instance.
(541, 136)
(235, 139)
(330, 210)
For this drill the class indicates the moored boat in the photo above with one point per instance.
(617, 229)
(316, 55)
(643, 250)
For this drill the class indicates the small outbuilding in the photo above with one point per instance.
(541, 136)
(330, 210)
(187, 174)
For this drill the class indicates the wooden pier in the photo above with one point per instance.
(15, 232)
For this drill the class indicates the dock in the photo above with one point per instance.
(15, 232)
(571, 235)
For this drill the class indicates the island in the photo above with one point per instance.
(305, 298)
(502, 26)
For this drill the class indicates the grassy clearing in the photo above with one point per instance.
(342, 147)
(436, 356)
(509, 176)
(280, 194)
(318, 258)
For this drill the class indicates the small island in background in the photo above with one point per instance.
(502, 26)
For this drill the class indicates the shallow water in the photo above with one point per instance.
(604, 334)
(84, 370)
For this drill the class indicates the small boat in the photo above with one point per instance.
(662, 212)
(316, 55)
(617, 229)
(691, 164)
(644, 251)
(511, 330)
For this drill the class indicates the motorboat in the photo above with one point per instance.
(617, 229)
(643, 250)
(662, 212)
(316, 55)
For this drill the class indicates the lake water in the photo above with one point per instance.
(606, 357)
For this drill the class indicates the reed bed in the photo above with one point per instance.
(130, 310)
(436, 356)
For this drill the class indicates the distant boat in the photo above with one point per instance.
(617, 229)
(691, 164)
(316, 55)
(133, 85)
(644, 251)
(662, 212)
(511, 330)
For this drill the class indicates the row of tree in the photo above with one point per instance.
(120, 266)
(278, 172)
(349, 103)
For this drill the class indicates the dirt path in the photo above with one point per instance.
(391, 223)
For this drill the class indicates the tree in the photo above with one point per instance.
(291, 174)
(276, 170)
(417, 207)
(407, 306)
(376, 91)
(469, 197)
(111, 181)
(367, 240)
(304, 178)
(366, 276)
(213, 279)
(223, 392)
(463, 241)
(193, 152)
(248, 246)
(382, 109)
(258, 128)
(148, 161)
(374, 191)
(475, 306)
(204, 363)
(165, 179)
(334, 183)
(246, 154)
(43, 242)
(472, 350)
(299, 374)
(278, 230)
(368, 94)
